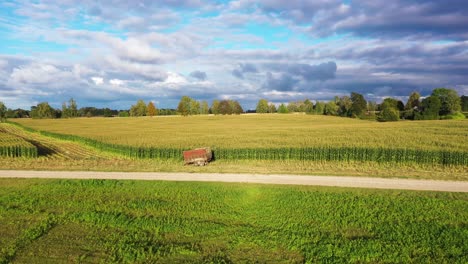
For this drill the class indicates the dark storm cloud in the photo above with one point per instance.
(403, 18)
(198, 75)
(284, 82)
(320, 72)
(377, 18)
(244, 68)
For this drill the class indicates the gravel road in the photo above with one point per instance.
(358, 182)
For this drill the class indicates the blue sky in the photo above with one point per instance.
(112, 53)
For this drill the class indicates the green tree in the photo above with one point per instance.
(107, 112)
(464, 103)
(271, 108)
(430, 108)
(283, 109)
(308, 107)
(184, 106)
(194, 107)
(389, 110)
(389, 102)
(371, 107)
(236, 107)
(3, 112)
(215, 107)
(344, 106)
(70, 110)
(73, 108)
(388, 114)
(262, 106)
(331, 108)
(42, 110)
(412, 106)
(138, 109)
(292, 107)
(65, 111)
(123, 114)
(225, 107)
(319, 108)
(151, 109)
(204, 108)
(359, 104)
(413, 101)
(449, 99)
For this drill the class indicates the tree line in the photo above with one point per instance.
(443, 103)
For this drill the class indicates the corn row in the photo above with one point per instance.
(12, 146)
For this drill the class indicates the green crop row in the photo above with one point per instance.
(344, 154)
(12, 146)
(18, 151)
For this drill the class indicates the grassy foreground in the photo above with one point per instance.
(166, 222)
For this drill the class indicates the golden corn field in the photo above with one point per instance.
(262, 131)
(269, 137)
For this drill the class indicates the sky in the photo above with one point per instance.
(113, 53)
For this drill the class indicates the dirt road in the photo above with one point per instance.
(359, 182)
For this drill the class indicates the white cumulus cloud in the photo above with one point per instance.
(97, 80)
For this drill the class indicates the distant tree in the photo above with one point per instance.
(359, 104)
(108, 111)
(225, 108)
(412, 106)
(344, 106)
(42, 110)
(73, 108)
(70, 110)
(65, 112)
(464, 103)
(388, 114)
(151, 109)
(400, 105)
(194, 107)
(283, 109)
(389, 102)
(236, 107)
(262, 106)
(319, 108)
(292, 107)
(430, 108)
(124, 113)
(3, 112)
(371, 106)
(87, 111)
(17, 113)
(413, 101)
(138, 109)
(184, 106)
(389, 110)
(215, 107)
(449, 99)
(204, 108)
(308, 106)
(271, 108)
(331, 108)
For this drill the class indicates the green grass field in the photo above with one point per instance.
(170, 222)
